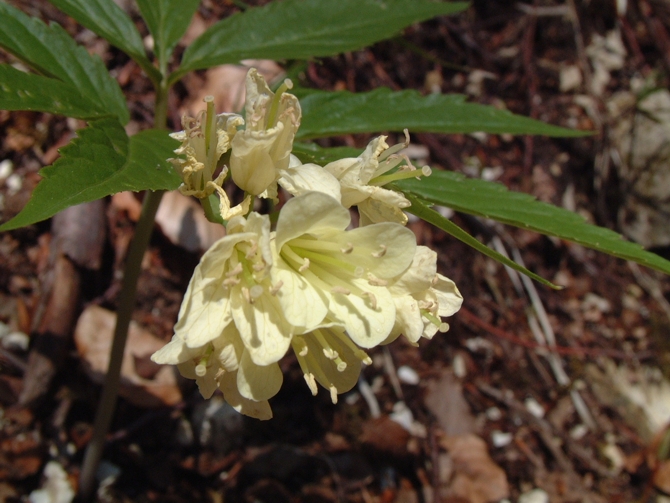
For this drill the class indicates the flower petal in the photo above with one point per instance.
(448, 296)
(369, 319)
(257, 382)
(304, 306)
(312, 213)
(300, 179)
(228, 385)
(264, 330)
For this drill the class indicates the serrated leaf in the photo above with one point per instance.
(423, 211)
(495, 201)
(167, 21)
(335, 113)
(301, 29)
(108, 20)
(53, 53)
(313, 153)
(27, 91)
(100, 162)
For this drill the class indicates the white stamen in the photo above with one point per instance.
(333, 394)
(231, 281)
(375, 281)
(252, 251)
(275, 289)
(304, 350)
(304, 266)
(311, 383)
(358, 272)
(234, 271)
(246, 295)
(258, 266)
(340, 289)
(372, 297)
(381, 252)
(347, 249)
(330, 353)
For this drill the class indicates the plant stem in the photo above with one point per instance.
(110, 389)
(127, 297)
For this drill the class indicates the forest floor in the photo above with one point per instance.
(485, 412)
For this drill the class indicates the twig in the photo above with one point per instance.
(544, 11)
(473, 319)
(542, 427)
(651, 287)
(366, 392)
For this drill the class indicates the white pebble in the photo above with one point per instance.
(458, 363)
(408, 375)
(17, 341)
(534, 496)
(6, 168)
(14, 183)
(534, 407)
(493, 414)
(579, 431)
(501, 438)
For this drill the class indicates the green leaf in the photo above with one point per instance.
(100, 162)
(423, 211)
(335, 113)
(108, 20)
(311, 152)
(27, 91)
(53, 53)
(300, 29)
(167, 21)
(495, 201)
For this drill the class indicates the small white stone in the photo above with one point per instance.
(534, 496)
(501, 438)
(458, 364)
(534, 407)
(17, 341)
(14, 183)
(6, 168)
(408, 375)
(579, 431)
(493, 414)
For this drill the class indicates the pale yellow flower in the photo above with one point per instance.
(232, 284)
(343, 273)
(203, 141)
(422, 297)
(362, 179)
(328, 356)
(262, 149)
(224, 363)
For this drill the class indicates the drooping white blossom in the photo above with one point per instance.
(422, 297)
(203, 141)
(262, 149)
(362, 179)
(224, 363)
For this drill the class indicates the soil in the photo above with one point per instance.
(493, 413)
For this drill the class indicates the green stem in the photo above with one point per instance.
(127, 297)
(107, 404)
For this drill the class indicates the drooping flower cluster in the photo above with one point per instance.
(312, 285)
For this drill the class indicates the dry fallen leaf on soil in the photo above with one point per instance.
(475, 476)
(183, 222)
(93, 337)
